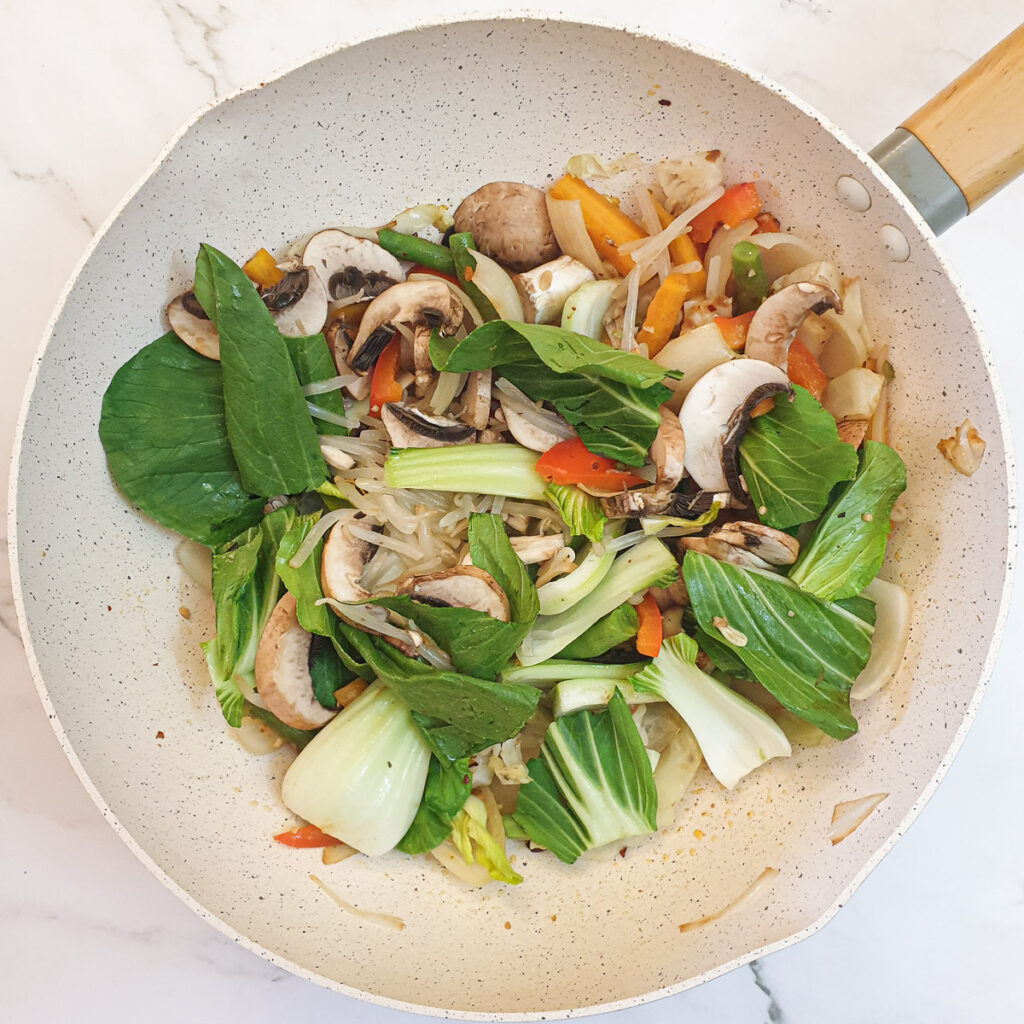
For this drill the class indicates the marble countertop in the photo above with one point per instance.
(92, 92)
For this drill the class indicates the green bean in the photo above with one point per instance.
(417, 250)
(751, 286)
(459, 244)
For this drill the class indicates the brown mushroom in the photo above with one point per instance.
(667, 453)
(190, 323)
(771, 545)
(409, 427)
(418, 305)
(774, 325)
(509, 222)
(282, 670)
(465, 586)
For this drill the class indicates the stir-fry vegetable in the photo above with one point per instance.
(506, 540)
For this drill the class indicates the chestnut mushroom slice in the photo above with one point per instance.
(723, 551)
(509, 222)
(773, 546)
(668, 453)
(342, 563)
(774, 325)
(298, 302)
(715, 416)
(346, 264)
(465, 586)
(534, 428)
(417, 305)
(409, 427)
(190, 323)
(282, 670)
(476, 400)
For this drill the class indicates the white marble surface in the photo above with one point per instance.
(91, 93)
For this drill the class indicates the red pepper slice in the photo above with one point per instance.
(306, 837)
(384, 386)
(569, 462)
(734, 329)
(736, 204)
(418, 268)
(649, 628)
(803, 369)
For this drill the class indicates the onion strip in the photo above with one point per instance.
(497, 286)
(752, 892)
(570, 232)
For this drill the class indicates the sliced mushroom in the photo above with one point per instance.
(544, 289)
(476, 400)
(509, 222)
(534, 428)
(347, 265)
(668, 454)
(298, 302)
(778, 318)
(409, 427)
(693, 506)
(722, 551)
(282, 670)
(343, 561)
(341, 327)
(715, 416)
(465, 586)
(415, 304)
(193, 326)
(771, 545)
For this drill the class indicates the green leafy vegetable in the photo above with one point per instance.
(163, 429)
(615, 628)
(327, 671)
(312, 361)
(245, 589)
(271, 433)
(478, 644)
(805, 652)
(458, 714)
(592, 784)
(476, 844)
(444, 795)
(298, 738)
(734, 735)
(580, 511)
(648, 564)
(792, 458)
(611, 397)
(846, 551)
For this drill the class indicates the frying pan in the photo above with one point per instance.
(370, 128)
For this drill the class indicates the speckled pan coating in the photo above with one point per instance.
(350, 138)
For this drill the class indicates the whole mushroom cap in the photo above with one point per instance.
(509, 222)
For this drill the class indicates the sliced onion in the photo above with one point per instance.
(426, 215)
(650, 247)
(851, 814)
(196, 560)
(782, 253)
(256, 737)
(337, 853)
(496, 284)
(570, 232)
(319, 528)
(448, 387)
(752, 892)
(720, 249)
(358, 232)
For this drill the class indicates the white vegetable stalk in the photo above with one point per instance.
(734, 735)
(563, 593)
(586, 308)
(362, 776)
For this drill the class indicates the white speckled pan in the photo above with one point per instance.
(429, 115)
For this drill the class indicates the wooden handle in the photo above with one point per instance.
(975, 126)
